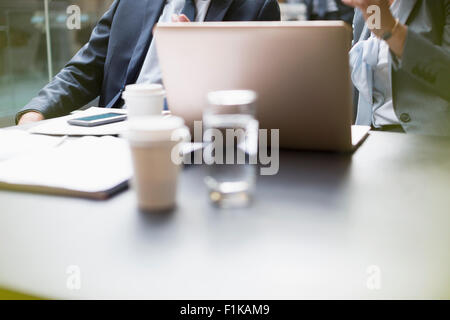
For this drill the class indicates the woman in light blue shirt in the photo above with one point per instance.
(402, 68)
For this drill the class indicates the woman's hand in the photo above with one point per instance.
(387, 22)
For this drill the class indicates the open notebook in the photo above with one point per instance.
(17, 142)
(92, 167)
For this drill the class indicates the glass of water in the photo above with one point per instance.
(230, 139)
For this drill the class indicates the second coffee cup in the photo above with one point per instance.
(144, 99)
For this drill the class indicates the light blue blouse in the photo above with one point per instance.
(371, 75)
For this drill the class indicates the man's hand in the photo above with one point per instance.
(31, 116)
(180, 18)
(176, 18)
(397, 42)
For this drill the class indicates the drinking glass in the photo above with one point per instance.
(230, 139)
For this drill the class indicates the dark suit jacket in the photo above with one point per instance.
(114, 55)
(421, 80)
(345, 12)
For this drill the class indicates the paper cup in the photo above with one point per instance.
(156, 160)
(144, 99)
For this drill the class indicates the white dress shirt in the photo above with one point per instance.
(150, 72)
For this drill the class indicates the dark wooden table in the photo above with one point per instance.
(374, 224)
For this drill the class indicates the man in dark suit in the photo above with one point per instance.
(121, 51)
(329, 10)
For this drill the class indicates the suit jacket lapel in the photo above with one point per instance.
(153, 10)
(218, 9)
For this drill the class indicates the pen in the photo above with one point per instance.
(61, 142)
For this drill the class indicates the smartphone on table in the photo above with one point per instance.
(98, 120)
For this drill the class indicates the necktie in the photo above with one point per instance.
(323, 8)
(190, 9)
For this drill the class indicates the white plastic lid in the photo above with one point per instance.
(232, 97)
(153, 128)
(144, 89)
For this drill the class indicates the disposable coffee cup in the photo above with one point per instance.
(155, 143)
(144, 99)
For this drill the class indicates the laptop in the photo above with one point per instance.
(300, 71)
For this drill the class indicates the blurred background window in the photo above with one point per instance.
(26, 46)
